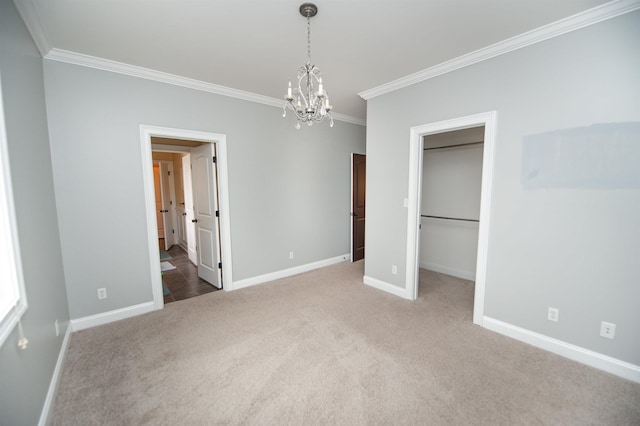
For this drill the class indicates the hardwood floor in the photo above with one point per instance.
(183, 282)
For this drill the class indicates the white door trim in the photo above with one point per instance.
(351, 212)
(416, 146)
(146, 132)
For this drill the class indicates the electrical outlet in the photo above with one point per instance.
(290, 255)
(394, 269)
(102, 293)
(607, 330)
(57, 326)
(552, 314)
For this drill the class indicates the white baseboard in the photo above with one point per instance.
(111, 316)
(384, 286)
(192, 254)
(55, 378)
(567, 350)
(248, 282)
(455, 272)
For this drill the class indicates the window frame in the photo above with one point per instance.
(12, 277)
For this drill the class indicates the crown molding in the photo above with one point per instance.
(29, 16)
(69, 57)
(555, 29)
(75, 58)
(347, 118)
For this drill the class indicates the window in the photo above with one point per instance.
(13, 301)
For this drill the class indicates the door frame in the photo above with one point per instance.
(416, 146)
(172, 216)
(351, 211)
(146, 132)
(175, 149)
(353, 154)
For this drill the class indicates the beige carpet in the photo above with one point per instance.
(323, 348)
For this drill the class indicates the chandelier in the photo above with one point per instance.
(307, 103)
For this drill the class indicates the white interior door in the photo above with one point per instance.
(190, 227)
(165, 190)
(173, 212)
(205, 205)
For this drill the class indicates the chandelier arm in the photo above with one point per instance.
(302, 116)
(307, 117)
(301, 92)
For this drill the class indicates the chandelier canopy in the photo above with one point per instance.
(308, 103)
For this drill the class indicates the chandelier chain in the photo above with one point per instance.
(308, 40)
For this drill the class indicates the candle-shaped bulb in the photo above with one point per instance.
(320, 86)
(289, 91)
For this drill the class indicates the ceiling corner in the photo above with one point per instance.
(29, 15)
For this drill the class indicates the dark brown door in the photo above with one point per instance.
(359, 191)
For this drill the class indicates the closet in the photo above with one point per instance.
(450, 209)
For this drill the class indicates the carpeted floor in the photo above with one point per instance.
(323, 348)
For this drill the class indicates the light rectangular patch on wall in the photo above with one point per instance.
(601, 156)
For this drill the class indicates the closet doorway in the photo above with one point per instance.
(450, 208)
(451, 215)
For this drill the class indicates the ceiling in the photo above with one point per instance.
(258, 45)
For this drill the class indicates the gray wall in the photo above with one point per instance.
(575, 249)
(25, 374)
(288, 189)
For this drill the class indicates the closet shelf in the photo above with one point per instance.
(453, 146)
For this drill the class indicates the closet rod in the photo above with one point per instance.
(453, 146)
(450, 218)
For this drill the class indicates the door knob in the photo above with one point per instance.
(184, 214)
(194, 220)
(164, 211)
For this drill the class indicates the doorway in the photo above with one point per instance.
(450, 207)
(358, 204)
(203, 221)
(217, 205)
(414, 201)
(180, 277)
